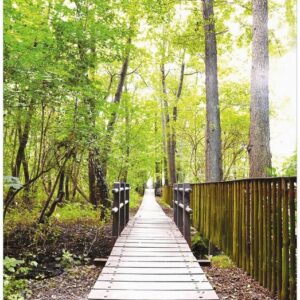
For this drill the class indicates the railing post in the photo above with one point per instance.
(175, 202)
(116, 210)
(120, 209)
(122, 206)
(127, 198)
(187, 212)
(180, 208)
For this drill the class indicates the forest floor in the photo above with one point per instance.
(234, 283)
(74, 284)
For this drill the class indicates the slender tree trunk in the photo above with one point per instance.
(10, 200)
(124, 172)
(101, 169)
(67, 190)
(213, 127)
(102, 188)
(164, 162)
(259, 147)
(23, 141)
(57, 180)
(26, 179)
(92, 179)
(171, 144)
(59, 197)
(158, 181)
(113, 118)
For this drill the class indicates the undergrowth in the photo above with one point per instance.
(222, 262)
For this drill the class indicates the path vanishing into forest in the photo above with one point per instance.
(152, 260)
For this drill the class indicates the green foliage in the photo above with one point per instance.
(289, 167)
(222, 262)
(16, 288)
(71, 212)
(199, 245)
(67, 261)
(12, 182)
(135, 199)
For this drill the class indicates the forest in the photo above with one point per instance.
(104, 91)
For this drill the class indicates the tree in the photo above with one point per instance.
(213, 127)
(259, 144)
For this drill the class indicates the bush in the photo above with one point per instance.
(15, 287)
(222, 261)
(135, 199)
(199, 245)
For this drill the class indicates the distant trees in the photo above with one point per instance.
(259, 145)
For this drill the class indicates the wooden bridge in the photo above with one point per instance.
(152, 260)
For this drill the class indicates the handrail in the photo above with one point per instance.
(120, 209)
(252, 220)
(182, 210)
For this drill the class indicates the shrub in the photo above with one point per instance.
(222, 261)
(16, 287)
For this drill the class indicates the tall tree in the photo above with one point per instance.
(259, 147)
(213, 127)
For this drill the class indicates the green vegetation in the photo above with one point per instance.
(16, 287)
(222, 261)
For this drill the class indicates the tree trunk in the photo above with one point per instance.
(59, 197)
(171, 143)
(164, 162)
(23, 141)
(26, 179)
(102, 188)
(158, 181)
(124, 171)
(57, 180)
(213, 127)
(92, 179)
(113, 118)
(67, 190)
(259, 147)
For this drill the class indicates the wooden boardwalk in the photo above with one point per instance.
(151, 260)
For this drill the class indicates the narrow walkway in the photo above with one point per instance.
(151, 260)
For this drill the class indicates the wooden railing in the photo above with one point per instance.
(253, 221)
(182, 210)
(120, 209)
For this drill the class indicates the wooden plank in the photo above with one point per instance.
(146, 285)
(111, 270)
(150, 254)
(130, 237)
(293, 242)
(153, 259)
(151, 245)
(151, 264)
(152, 295)
(128, 249)
(149, 241)
(152, 278)
(285, 241)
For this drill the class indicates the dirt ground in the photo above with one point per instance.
(74, 284)
(234, 283)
